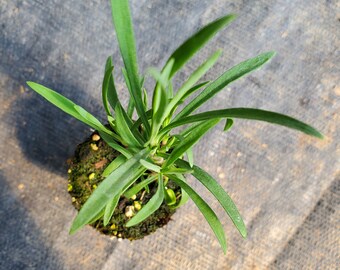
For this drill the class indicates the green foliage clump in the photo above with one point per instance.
(150, 143)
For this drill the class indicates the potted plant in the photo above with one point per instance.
(129, 177)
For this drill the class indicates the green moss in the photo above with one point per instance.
(85, 173)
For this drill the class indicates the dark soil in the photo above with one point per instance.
(85, 174)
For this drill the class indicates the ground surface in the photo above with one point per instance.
(285, 184)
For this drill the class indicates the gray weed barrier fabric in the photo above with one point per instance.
(285, 184)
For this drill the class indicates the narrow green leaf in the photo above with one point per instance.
(123, 25)
(150, 166)
(131, 107)
(131, 104)
(105, 88)
(110, 187)
(226, 78)
(225, 200)
(173, 169)
(197, 41)
(109, 209)
(205, 209)
(187, 86)
(112, 143)
(56, 99)
(190, 157)
(93, 120)
(145, 101)
(123, 128)
(159, 101)
(137, 123)
(110, 89)
(193, 90)
(247, 113)
(152, 205)
(228, 124)
(136, 188)
(189, 141)
(114, 165)
(100, 215)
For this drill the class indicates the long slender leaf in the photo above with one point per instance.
(114, 165)
(105, 89)
(123, 25)
(150, 166)
(189, 141)
(98, 216)
(112, 143)
(151, 206)
(110, 89)
(109, 209)
(190, 156)
(68, 106)
(248, 113)
(159, 100)
(136, 188)
(109, 188)
(215, 188)
(226, 78)
(193, 44)
(93, 121)
(205, 209)
(187, 86)
(123, 128)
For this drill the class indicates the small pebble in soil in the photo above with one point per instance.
(137, 205)
(94, 147)
(129, 211)
(91, 176)
(95, 137)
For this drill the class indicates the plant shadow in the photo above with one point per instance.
(21, 244)
(46, 135)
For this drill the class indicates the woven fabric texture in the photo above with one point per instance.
(285, 183)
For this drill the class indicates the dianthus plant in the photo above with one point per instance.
(149, 143)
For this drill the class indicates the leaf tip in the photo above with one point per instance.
(29, 83)
(271, 54)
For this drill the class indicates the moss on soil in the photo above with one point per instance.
(85, 174)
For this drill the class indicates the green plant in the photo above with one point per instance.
(149, 142)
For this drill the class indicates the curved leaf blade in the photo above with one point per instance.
(68, 106)
(219, 193)
(136, 188)
(123, 128)
(150, 166)
(109, 209)
(193, 44)
(152, 205)
(109, 188)
(124, 29)
(114, 165)
(251, 114)
(189, 141)
(109, 92)
(226, 78)
(205, 209)
(187, 86)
